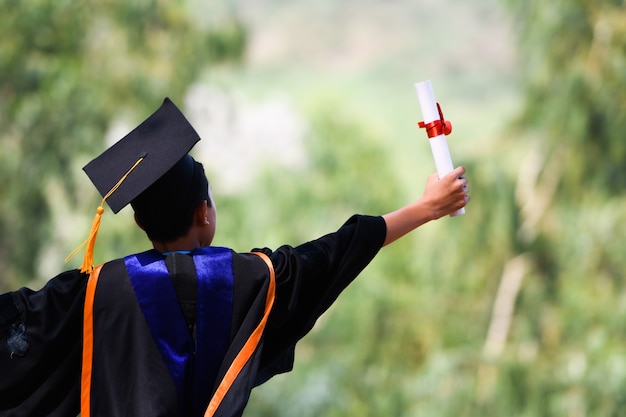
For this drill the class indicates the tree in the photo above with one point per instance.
(66, 70)
(569, 234)
(575, 72)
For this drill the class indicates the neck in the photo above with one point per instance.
(185, 243)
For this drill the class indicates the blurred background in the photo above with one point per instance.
(308, 114)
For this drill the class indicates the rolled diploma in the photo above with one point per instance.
(438, 144)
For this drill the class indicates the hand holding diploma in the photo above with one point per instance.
(441, 197)
(437, 128)
(446, 192)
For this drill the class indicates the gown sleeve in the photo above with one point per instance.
(40, 348)
(309, 279)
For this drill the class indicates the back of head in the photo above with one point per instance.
(165, 209)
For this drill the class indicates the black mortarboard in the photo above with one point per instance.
(161, 140)
(137, 161)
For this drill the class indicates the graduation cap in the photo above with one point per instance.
(137, 161)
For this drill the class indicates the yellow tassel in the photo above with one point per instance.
(88, 263)
(90, 243)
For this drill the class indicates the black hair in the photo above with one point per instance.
(165, 210)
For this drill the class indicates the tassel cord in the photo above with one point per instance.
(90, 243)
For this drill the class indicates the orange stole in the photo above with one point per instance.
(85, 385)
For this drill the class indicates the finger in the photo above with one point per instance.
(455, 173)
(460, 185)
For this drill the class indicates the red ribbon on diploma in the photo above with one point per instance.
(437, 127)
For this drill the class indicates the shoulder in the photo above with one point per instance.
(250, 267)
(251, 277)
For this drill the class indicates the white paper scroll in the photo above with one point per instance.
(438, 144)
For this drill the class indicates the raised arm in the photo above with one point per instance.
(441, 197)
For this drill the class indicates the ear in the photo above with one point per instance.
(138, 223)
(201, 215)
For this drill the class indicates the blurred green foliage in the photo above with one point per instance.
(568, 321)
(523, 312)
(515, 309)
(66, 70)
(574, 66)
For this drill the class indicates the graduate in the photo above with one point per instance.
(186, 328)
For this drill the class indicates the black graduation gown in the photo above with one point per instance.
(41, 332)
